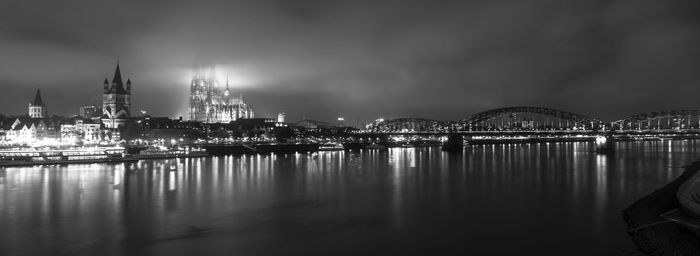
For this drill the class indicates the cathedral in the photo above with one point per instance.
(116, 101)
(209, 103)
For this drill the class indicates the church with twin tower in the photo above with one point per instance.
(116, 101)
(210, 102)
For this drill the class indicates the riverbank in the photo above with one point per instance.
(667, 238)
(32, 157)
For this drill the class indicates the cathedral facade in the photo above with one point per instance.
(212, 103)
(116, 101)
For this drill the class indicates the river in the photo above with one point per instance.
(510, 199)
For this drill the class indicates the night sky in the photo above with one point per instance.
(322, 59)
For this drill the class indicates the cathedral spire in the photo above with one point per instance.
(227, 92)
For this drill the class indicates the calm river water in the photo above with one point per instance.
(552, 199)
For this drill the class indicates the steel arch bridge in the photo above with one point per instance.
(528, 118)
(660, 120)
(407, 125)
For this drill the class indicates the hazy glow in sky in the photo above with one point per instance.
(322, 59)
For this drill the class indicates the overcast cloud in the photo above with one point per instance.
(321, 59)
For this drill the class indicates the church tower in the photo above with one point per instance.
(37, 108)
(200, 96)
(116, 101)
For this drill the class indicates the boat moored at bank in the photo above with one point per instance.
(31, 157)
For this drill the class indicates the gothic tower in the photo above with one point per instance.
(116, 101)
(37, 108)
(212, 103)
(200, 95)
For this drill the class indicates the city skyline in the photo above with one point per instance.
(321, 60)
(335, 127)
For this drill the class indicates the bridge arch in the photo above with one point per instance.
(660, 120)
(399, 125)
(529, 118)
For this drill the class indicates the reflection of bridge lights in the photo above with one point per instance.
(117, 179)
(172, 185)
(398, 138)
(600, 140)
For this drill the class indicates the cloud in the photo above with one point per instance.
(320, 59)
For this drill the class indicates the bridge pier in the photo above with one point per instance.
(453, 143)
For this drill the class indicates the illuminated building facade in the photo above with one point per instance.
(81, 129)
(26, 129)
(88, 111)
(116, 101)
(210, 103)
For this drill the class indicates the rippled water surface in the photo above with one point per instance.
(557, 198)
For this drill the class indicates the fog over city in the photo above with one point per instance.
(321, 59)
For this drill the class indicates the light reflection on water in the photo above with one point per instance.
(551, 198)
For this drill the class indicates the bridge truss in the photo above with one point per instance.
(407, 125)
(660, 120)
(539, 119)
(525, 118)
